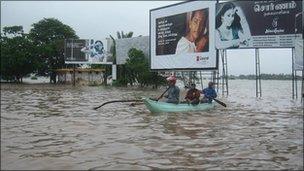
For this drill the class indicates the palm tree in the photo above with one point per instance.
(120, 35)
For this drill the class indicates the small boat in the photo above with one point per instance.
(159, 107)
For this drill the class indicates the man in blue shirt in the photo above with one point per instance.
(209, 93)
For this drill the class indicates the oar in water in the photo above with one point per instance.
(221, 103)
(115, 101)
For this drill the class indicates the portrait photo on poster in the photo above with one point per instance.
(231, 27)
(183, 33)
(95, 51)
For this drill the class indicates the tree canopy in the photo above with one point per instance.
(17, 54)
(41, 51)
(48, 35)
(136, 71)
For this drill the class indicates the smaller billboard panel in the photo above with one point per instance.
(257, 24)
(298, 62)
(85, 51)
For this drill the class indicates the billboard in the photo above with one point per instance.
(257, 24)
(298, 62)
(85, 51)
(180, 37)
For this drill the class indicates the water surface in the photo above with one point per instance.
(55, 127)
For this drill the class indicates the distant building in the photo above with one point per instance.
(124, 45)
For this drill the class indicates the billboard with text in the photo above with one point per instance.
(258, 24)
(180, 37)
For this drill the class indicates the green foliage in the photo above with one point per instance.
(17, 54)
(48, 35)
(121, 35)
(41, 50)
(113, 50)
(34, 78)
(136, 70)
(15, 30)
(50, 30)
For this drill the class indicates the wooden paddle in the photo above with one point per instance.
(163, 94)
(115, 101)
(221, 103)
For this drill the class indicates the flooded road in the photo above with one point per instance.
(55, 127)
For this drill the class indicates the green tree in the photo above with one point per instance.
(14, 30)
(121, 71)
(48, 36)
(17, 54)
(137, 71)
(120, 35)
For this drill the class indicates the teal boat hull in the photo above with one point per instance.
(160, 107)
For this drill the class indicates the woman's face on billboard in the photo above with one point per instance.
(196, 24)
(228, 17)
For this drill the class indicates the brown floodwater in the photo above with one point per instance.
(47, 126)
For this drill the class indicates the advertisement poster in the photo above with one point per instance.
(258, 24)
(85, 51)
(180, 37)
(73, 48)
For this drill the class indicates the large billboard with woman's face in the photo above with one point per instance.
(258, 24)
(180, 37)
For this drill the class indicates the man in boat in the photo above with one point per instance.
(209, 93)
(193, 95)
(173, 91)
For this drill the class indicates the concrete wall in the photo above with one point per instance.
(82, 78)
(124, 45)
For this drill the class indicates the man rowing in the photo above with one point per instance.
(173, 91)
(209, 93)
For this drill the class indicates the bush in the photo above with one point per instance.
(34, 78)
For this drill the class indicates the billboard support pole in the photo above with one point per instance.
(224, 72)
(74, 75)
(293, 74)
(201, 79)
(302, 89)
(114, 72)
(257, 74)
(217, 80)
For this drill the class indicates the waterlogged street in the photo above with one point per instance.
(55, 127)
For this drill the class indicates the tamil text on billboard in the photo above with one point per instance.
(257, 24)
(180, 36)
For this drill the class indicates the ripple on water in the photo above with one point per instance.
(55, 127)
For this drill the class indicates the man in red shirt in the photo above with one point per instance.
(193, 95)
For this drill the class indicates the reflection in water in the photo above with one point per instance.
(54, 127)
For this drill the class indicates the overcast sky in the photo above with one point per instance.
(99, 19)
